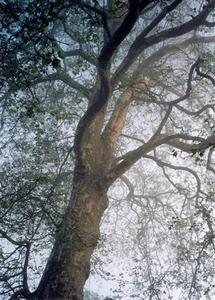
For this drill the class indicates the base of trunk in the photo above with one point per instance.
(69, 263)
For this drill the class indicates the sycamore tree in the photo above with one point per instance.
(93, 93)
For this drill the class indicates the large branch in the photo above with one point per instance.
(144, 68)
(159, 18)
(121, 32)
(190, 148)
(11, 240)
(103, 92)
(117, 120)
(80, 52)
(133, 156)
(141, 43)
(64, 77)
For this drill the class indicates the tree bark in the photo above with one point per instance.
(69, 264)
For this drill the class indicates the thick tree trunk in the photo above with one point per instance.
(69, 264)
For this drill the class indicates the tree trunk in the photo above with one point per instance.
(69, 264)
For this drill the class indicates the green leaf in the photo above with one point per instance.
(56, 63)
(47, 61)
(61, 54)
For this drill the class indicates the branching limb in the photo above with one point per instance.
(122, 31)
(173, 48)
(25, 269)
(209, 167)
(104, 89)
(141, 43)
(80, 52)
(178, 100)
(101, 13)
(197, 112)
(190, 148)
(117, 120)
(209, 24)
(25, 290)
(64, 77)
(163, 164)
(127, 160)
(116, 123)
(159, 18)
(11, 240)
(200, 73)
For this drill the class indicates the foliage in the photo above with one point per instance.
(159, 222)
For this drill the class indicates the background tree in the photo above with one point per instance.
(75, 77)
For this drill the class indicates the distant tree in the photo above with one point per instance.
(88, 90)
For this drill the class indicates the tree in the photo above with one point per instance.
(107, 60)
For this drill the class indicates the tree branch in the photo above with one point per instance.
(163, 164)
(159, 18)
(102, 93)
(11, 240)
(209, 167)
(204, 74)
(172, 48)
(197, 112)
(80, 52)
(116, 122)
(209, 24)
(25, 269)
(141, 43)
(64, 77)
(121, 32)
(133, 156)
(101, 13)
(190, 148)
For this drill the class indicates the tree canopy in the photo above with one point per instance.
(105, 97)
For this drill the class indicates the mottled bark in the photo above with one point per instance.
(69, 264)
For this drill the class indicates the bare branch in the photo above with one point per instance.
(141, 43)
(121, 32)
(101, 13)
(209, 24)
(11, 240)
(197, 112)
(209, 167)
(80, 52)
(180, 168)
(133, 156)
(172, 48)
(133, 138)
(200, 73)
(116, 123)
(190, 148)
(25, 269)
(159, 18)
(64, 77)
